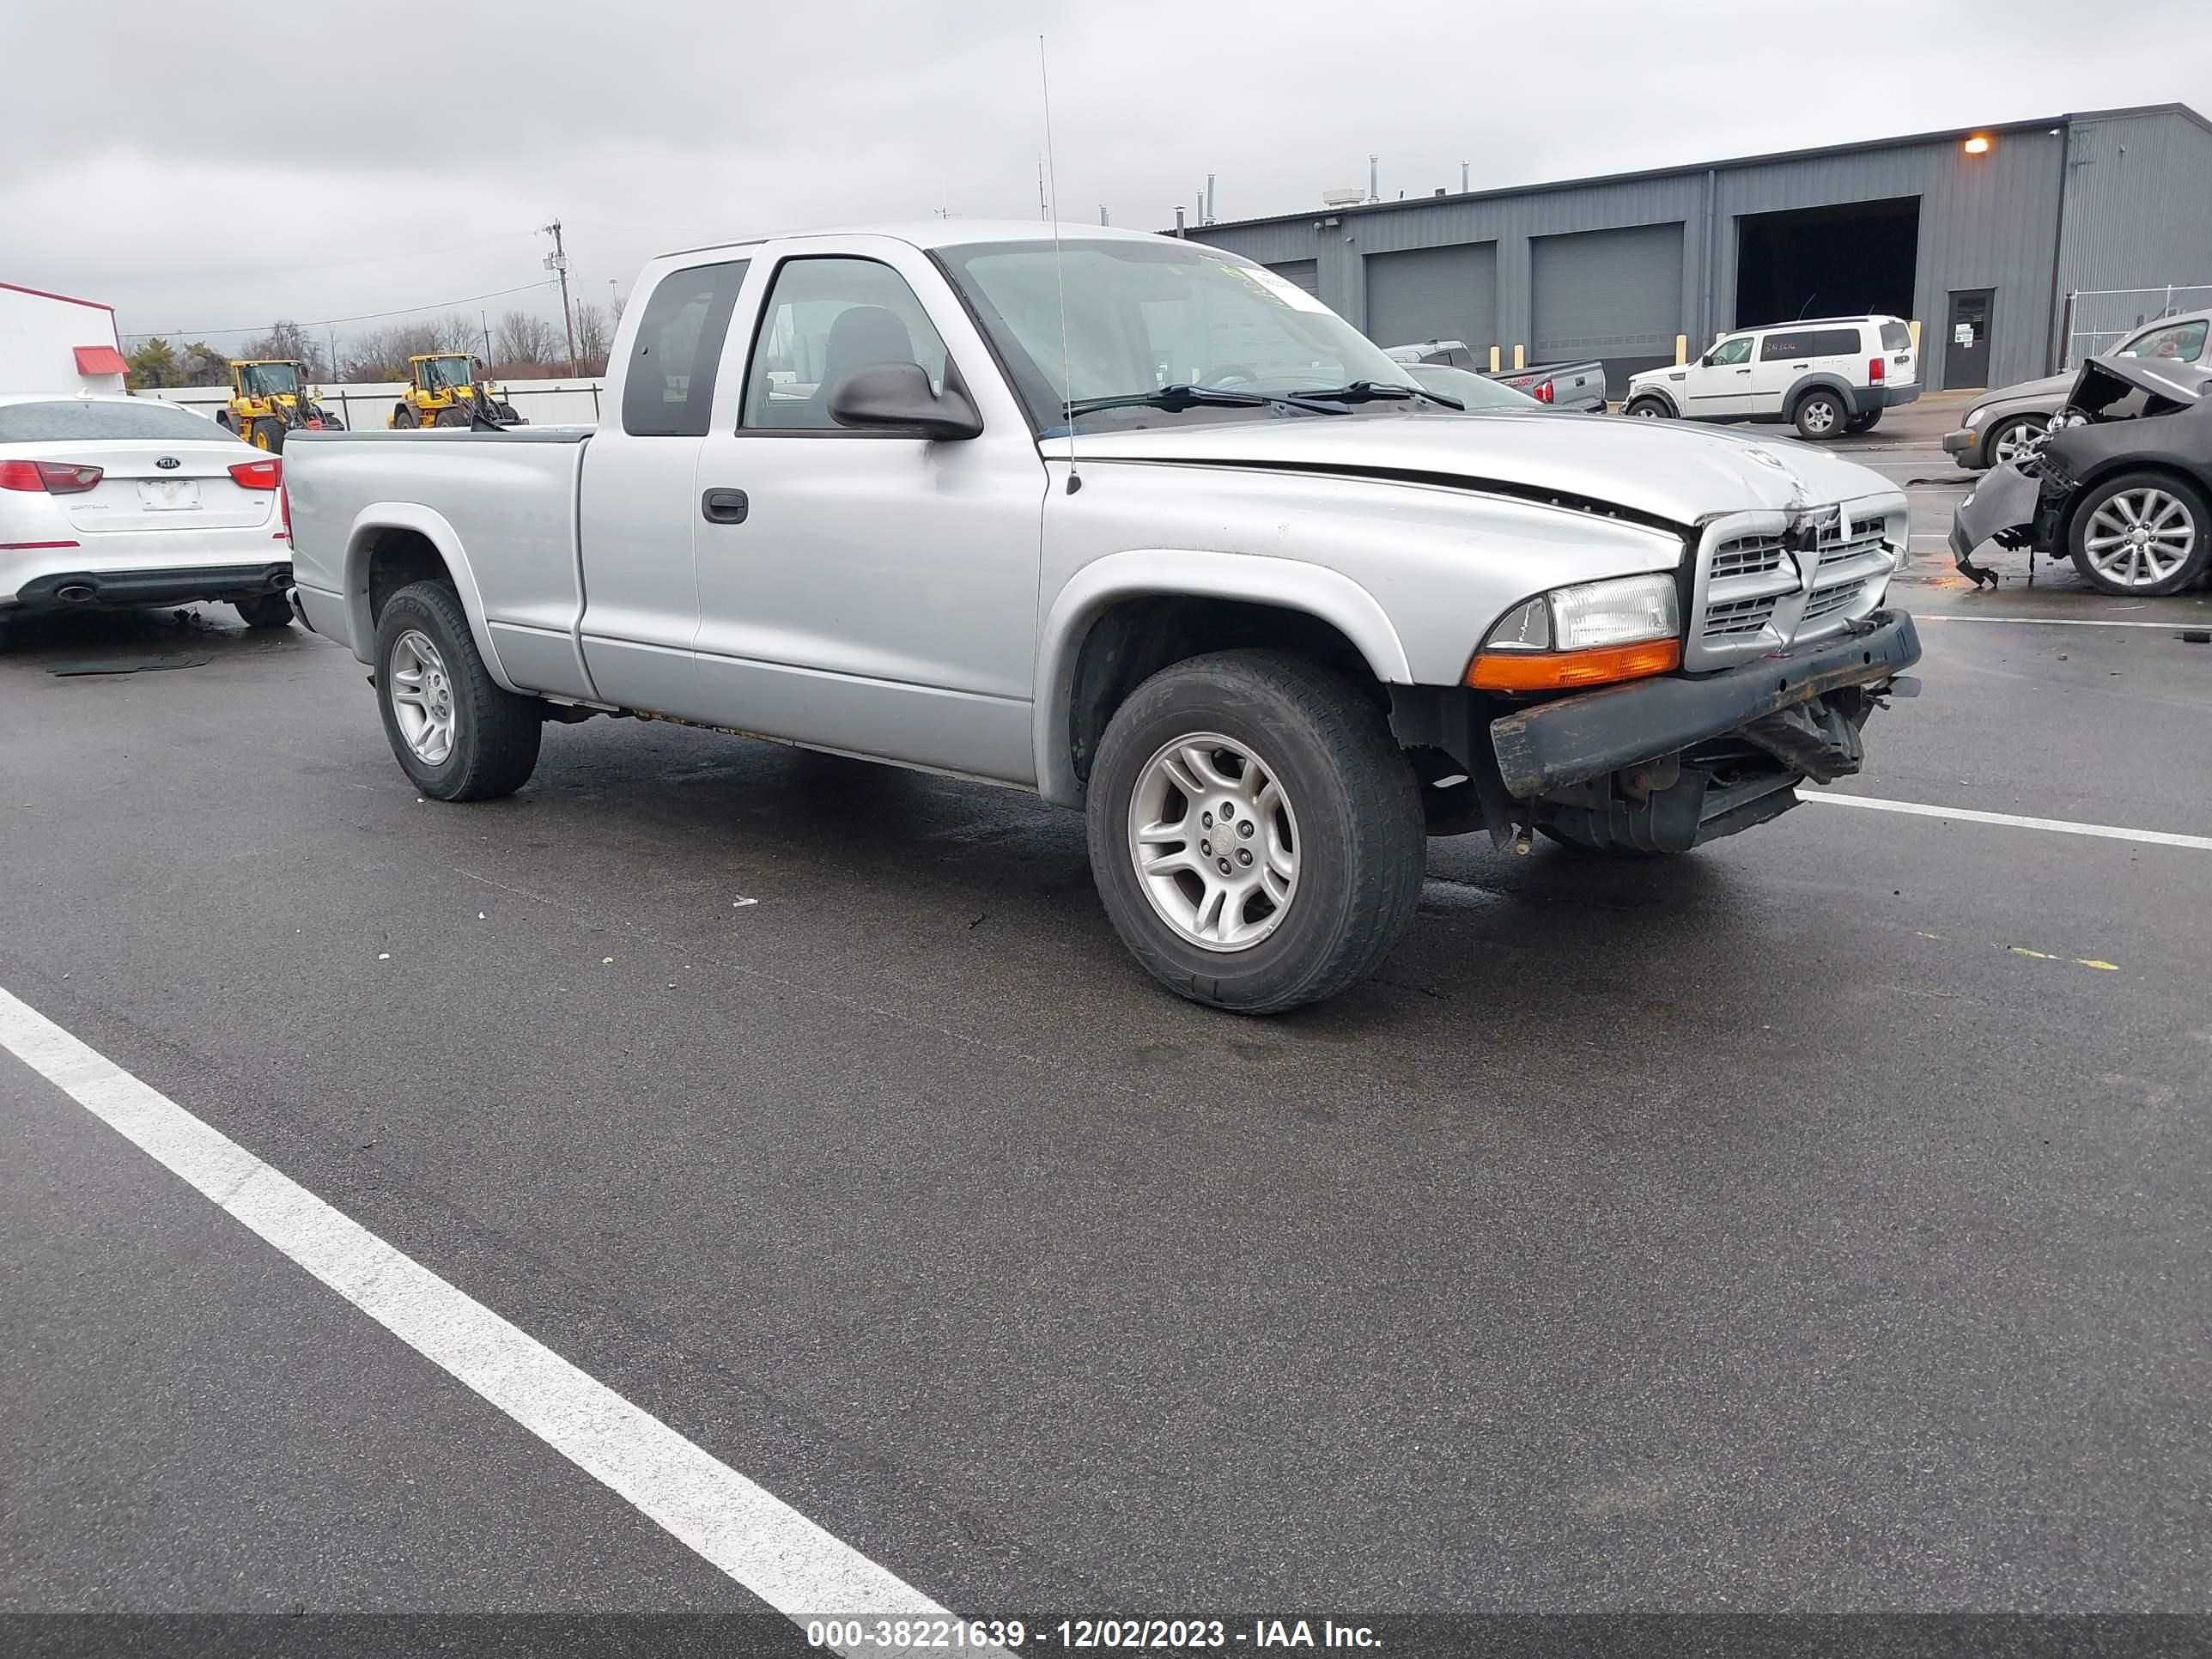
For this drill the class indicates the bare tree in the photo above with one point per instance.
(526, 343)
(290, 343)
(595, 333)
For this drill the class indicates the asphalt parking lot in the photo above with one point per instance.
(1816, 1222)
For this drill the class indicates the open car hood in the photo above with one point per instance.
(2104, 381)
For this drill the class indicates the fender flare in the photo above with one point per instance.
(1635, 394)
(433, 526)
(1190, 572)
(1805, 383)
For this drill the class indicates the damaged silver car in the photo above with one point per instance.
(2119, 483)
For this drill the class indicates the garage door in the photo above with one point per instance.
(1434, 293)
(1304, 272)
(1615, 295)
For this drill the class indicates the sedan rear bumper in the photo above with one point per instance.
(63, 590)
(1555, 746)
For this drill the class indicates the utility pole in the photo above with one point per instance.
(484, 319)
(557, 260)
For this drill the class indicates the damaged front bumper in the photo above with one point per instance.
(2002, 507)
(1663, 764)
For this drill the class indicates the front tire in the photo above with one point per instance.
(1648, 408)
(1818, 416)
(2142, 534)
(1256, 835)
(454, 730)
(265, 611)
(405, 419)
(2008, 440)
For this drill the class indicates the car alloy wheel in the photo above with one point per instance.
(421, 697)
(2140, 538)
(2012, 442)
(1214, 842)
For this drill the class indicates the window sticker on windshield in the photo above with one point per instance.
(1281, 286)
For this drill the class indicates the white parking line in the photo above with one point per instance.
(2008, 820)
(2175, 626)
(759, 1540)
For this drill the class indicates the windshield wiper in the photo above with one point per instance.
(1369, 391)
(1177, 398)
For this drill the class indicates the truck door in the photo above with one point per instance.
(641, 613)
(1720, 384)
(868, 591)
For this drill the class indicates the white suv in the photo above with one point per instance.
(1828, 375)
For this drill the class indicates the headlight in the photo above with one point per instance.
(1589, 634)
(1976, 416)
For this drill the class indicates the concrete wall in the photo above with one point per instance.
(39, 335)
(2137, 188)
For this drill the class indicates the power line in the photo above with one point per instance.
(326, 322)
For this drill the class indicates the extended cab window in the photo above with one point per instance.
(1728, 352)
(668, 391)
(2183, 343)
(825, 318)
(1797, 344)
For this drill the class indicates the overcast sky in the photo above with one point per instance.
(204, 168)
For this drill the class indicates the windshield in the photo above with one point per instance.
(271, 380)
(1469, 391)
(447, 370)
(2182, 341)
(1146, 315)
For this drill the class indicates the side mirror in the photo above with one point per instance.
(896, 397)
(1706, 362)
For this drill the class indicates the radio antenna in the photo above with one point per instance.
(1059, 274)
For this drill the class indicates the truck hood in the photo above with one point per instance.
(1661, 469)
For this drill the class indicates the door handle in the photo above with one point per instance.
(1743, 371)
(725, 506)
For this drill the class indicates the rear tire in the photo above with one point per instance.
(1865, 422)
(1648, 408)
(404, 417)
(1336, 867)
(492, 733)
(1818, 416)
(265, 611)
(268, 434)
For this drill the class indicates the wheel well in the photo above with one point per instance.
(1658, 398)
(1134, 638)
(396, 559)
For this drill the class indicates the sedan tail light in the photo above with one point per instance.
(259, 475)
(284, 506)
(49, 478)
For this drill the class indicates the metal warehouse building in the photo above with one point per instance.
(1979, 235)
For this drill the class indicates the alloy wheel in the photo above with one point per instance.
(1214, 841)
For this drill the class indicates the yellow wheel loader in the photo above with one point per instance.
(270, 397)
(448, 388)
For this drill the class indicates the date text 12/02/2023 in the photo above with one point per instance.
(1131, 1635)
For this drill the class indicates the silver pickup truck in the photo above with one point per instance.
(1139, 526)
(1580, 386)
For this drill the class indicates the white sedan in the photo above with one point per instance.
(123, 501)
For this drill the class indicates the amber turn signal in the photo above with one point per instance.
(1566, 671)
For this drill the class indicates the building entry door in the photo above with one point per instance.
(1966, 341)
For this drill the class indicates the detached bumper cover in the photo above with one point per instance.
(228, 581)
(1557, 745)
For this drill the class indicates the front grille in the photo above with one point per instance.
(1733, 619)
(1826, 601)
(1748, 556)
(1761, 589)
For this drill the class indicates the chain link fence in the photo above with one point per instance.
(2097, 319)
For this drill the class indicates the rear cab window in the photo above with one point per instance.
(668, 385)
